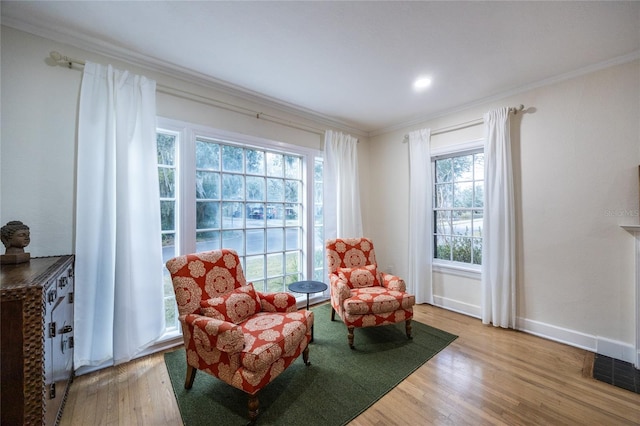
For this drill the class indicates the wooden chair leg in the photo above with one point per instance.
(305, 356)
(254, 406)
(191, 375)
(408, 328)
(350, 336)
(333, 314)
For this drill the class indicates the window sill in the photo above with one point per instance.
(459, 269)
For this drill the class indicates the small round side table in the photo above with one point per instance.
(308, 287)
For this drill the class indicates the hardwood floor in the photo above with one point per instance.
(487, 376)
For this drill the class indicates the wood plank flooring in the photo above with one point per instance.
(487, 376)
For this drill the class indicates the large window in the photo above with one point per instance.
(260, 198)
(458, 207)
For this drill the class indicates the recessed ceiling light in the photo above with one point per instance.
(422, 83)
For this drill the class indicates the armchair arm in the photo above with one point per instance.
(393, 282)
(277, 302)
(340, 291)
(214, 333)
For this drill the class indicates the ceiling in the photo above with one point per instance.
(351, 62)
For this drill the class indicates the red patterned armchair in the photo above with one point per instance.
(231, 331)
(361, 294)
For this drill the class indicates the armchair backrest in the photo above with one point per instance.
(202, 276)
(349, 253)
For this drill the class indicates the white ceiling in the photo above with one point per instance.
(351, 62)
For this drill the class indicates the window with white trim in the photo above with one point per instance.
(258, 197)
(458, 204)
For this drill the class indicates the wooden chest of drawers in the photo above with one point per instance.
(36, 339)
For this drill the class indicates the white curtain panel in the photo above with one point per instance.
(119, 294)
(498, 248)
(419, 280)
(342, 214)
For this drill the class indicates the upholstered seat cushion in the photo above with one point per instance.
(377, 300)
(271, 335)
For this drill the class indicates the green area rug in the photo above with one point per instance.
(339, 384)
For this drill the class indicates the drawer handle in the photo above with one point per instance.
(67, 329)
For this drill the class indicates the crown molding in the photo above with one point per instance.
(98, 46)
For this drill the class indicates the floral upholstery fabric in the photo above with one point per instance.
(247, 338)
(362, 276)
(379, 302)
(234, 306)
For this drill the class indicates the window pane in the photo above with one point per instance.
(275, 265)
(293, 238)
(318, 258)
(233, 240)
(167, 183)
(232, 159)
(208, 185)
(207, 214)
(206, 241)
(254, 269)
(274, 214)
(443, 248)
(293, 263)
(290, 279)
(477, 223)
(461, 249)
(318, 170)
(461, 222)
(255, 188)
(443, 196)
(444, 170)
(255, 214)
(317, 196)
(207, 155)
(293, 167)
(292, 213)
(462, 167)
(274, 164)
(255, 241)
(478, 166)
(167, 215)
(477, 251)
(170, 310)
(275, 285)
(255, 162)
(166, 149)
(232, 187)
(168, 246)
(293, 191)
(275, 240)
(478, 196)
(232, 215)
(275, 190)
(318, 214)
(463, 194)
(443, 222)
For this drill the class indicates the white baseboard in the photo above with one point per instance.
(597, 344)
(457, 306)
(616, 349)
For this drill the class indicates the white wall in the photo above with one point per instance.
(39, 120)
(576, 152)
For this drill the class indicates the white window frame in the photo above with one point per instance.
(450, 267)
(185, 221)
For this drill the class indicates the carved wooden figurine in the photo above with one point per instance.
(15, 237)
